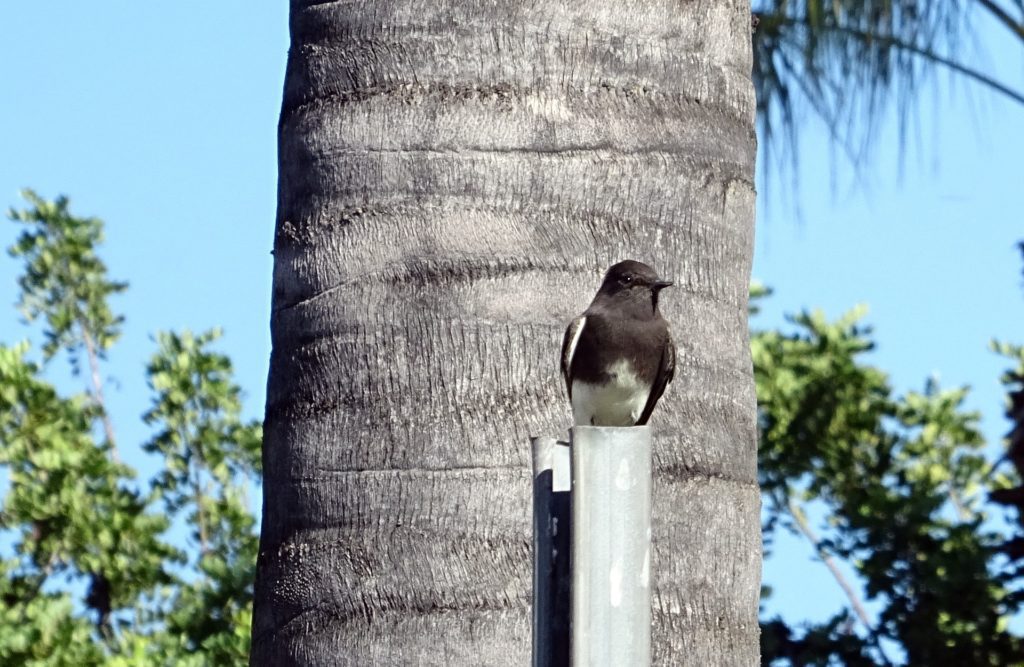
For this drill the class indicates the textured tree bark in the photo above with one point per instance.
(455, 175)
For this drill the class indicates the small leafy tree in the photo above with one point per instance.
(903, 483)
(1009, 490)
(91, 570)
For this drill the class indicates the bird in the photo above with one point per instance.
(618, 356)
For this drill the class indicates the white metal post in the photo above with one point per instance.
(611, 546)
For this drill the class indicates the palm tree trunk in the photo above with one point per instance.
(454, 178)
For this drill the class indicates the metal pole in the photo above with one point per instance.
(551, 574)
(611, 546)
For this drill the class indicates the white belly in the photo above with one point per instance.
(620, 402)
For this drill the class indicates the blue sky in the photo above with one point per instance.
(929, 248)
(161, 119)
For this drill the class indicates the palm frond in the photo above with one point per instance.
(847, 61)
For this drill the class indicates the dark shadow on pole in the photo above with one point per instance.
(552, 576)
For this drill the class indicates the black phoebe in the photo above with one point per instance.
(618, 355)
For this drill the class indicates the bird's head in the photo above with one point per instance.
(633, 286)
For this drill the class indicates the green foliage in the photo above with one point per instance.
(208, 450)
(68, 502)
(90, 572)
(198, 408)
(39, 628)
(1008, 488)
(65, 282)
(829, 643)
(902, 481)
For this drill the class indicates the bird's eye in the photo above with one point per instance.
(627, 280)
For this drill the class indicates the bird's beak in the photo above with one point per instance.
(661, 284)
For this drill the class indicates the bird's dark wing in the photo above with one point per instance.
(666, 371)
(569, 343)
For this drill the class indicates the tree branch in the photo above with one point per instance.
(1003, 16)
(808, 532)
(968, 72)
(959, 68)
(961, 509)
(97, 392)
(858, 607)
(199, 497)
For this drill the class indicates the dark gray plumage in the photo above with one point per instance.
(618, 356)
